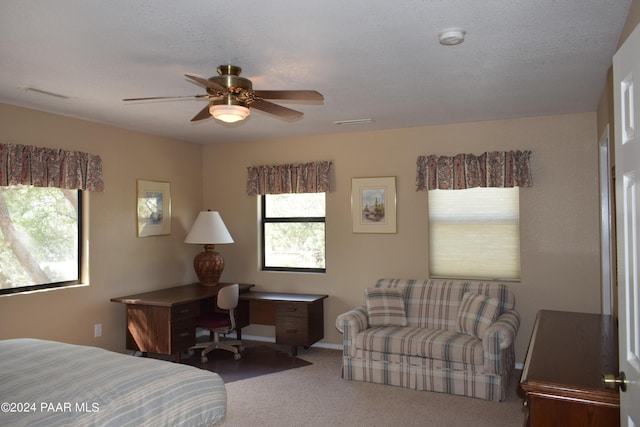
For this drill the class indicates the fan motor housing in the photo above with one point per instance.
(229, 77)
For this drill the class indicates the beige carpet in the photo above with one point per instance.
(316, 395)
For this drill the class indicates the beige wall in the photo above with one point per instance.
(559, 214)
(559, 217)
(120, 262)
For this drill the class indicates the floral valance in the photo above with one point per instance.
(490, 169)
(288, 178)
(49, 167)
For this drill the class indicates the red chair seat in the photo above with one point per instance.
(213, 321)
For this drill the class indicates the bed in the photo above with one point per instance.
(46, 383)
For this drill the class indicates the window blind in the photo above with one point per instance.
(474, 233)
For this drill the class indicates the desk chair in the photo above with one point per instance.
(221, 323)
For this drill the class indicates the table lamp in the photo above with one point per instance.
(208, 230)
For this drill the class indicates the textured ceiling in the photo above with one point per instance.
(369, 58)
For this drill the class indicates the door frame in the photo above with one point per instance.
(607, 231)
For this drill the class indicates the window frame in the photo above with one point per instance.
(80, 260)
(268, 220)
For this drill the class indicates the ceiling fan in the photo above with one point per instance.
(230, 97)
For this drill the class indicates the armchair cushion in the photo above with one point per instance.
(476, 314)
(385, 307)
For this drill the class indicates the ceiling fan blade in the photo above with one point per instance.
(165, 97)
(207, 83)
(303, 95)
(275, 109)
(203, 114)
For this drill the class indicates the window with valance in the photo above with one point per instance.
(474, 232)
(293, 214)
(41, 215)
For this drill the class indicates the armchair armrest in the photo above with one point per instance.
(350, 324)
(504, 328)
(498, 342)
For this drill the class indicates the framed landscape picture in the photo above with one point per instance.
(153, 208)
(373, 205)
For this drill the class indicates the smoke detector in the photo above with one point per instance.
(452, 36)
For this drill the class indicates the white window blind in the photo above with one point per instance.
(475, 233)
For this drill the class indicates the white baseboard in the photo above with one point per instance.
(329, 345)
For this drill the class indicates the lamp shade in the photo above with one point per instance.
(208, 229)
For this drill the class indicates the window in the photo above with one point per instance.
(475, 233)
(293, 232)
(40, 238)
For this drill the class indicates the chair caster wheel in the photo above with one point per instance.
(204, 359)
(241, 348)
(237, 356)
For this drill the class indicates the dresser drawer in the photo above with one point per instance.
(291, 309)
(185, 311)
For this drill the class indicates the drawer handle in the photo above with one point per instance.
(292, 309)
(184, 311)
(292, 331)
(184, 334)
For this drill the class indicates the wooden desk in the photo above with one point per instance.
(298, 318)
(163, 321)
(562, 374)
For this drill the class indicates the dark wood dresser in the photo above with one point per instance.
(562, 374)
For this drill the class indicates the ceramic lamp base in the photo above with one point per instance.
(208, 265)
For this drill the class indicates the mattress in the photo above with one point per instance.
(46, 383)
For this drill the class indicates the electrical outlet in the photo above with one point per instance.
(97, 330)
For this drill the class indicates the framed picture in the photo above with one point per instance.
(154, 208)
(373, 205)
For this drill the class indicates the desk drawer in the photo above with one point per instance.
(291, 309)
(183, 334)
(185, 311)
(292, 331)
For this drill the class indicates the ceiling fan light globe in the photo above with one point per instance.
(229, 113)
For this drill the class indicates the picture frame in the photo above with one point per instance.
(373, 204)
(153, 208)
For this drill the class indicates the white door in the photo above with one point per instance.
(626, 68)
